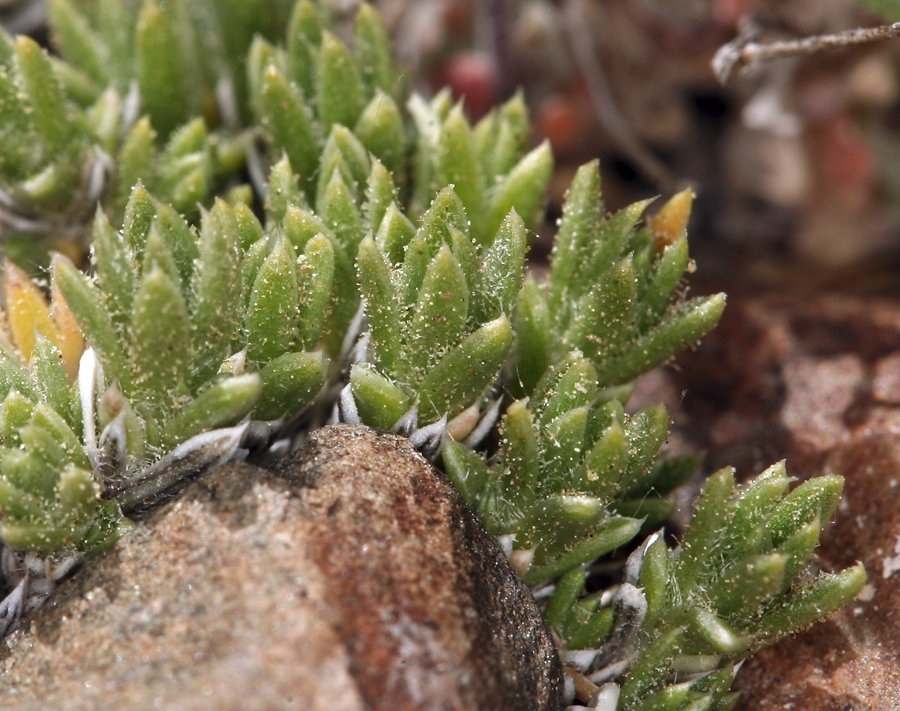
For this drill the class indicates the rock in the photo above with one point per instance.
(815, 381)
(352, 577)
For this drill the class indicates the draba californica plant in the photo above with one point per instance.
(280, 236)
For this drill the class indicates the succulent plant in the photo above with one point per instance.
(373, 270)
(670, 635)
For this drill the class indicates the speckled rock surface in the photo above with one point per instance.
(351, 578)
(816, 381)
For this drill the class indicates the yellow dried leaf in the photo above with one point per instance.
(671, 221)
(71, 339)
(27, 310)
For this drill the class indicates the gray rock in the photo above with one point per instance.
(353, 577)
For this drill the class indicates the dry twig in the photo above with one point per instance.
(744, 51)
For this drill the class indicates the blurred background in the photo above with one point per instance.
(796, 163)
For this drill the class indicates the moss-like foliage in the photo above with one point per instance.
(279, 236)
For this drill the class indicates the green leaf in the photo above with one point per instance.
(381, 130)
(798, 548)
(301, 225)
(606, 462)
(666, 276)
(552, 524)
(140, 212)
(17, 139)
(439, 316)
(249, 230)
(394, 233)
(337, 209)
(262, 54)
(457, 166)
(615, 531)
(304, 34)
(512, 137)
(87, 304)
(157, 255)
(684, 326)
(340, 95)
(746, 586)
(41, 445)
(566, 593)
(720, 637)
(467, 254)
(290, 382)
(752, 506)
(344, 153)
(381, 193)
(603, 319)
(160, 355)
(591, 632)
(18, 504)
(290, 125)
(336, 206)
(215, 319)
(646, 431)
(815, 499)
(654, 579)
(77, 493)
(15, 412)
(380, 401)
(427, 117)
(222, 403)
(711, 514)
(50, 421)
(181, 240)
(28, 470)
(315, 280)
(445, 212)
(465, 372)
(185, 166)
(283, 194)
(564, 450)
(575, 385)
(382, 309)
(500, 277)
(161, 68)
(135, 160)
(582, 212)
(113, 262)
(271, 320)
(523, 189)
(521, 454)
(534, 337)
(49, 110)
(372, 48)
(115, 24)
(466, 468)
(105, 116)
(76, 40)
(650, 668)
(614, 238)
(51, 379)
(827, 593)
